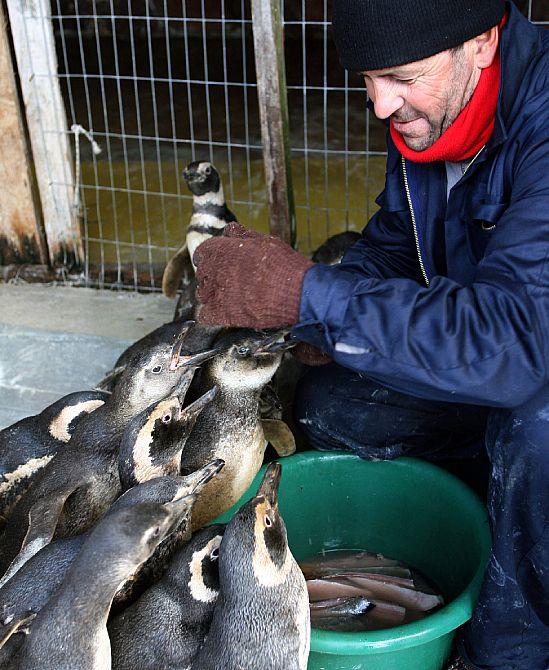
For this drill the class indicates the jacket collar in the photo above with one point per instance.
(520, 41)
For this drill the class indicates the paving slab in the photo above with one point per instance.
(56, 340)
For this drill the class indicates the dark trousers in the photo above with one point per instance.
(339, 409)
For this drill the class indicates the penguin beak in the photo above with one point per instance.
(189, 175)
(183, 385)
(275, 343)
(197, 480)
(190, 360)
(179, 511)
(270, 483)
(194, 360)
(191, 412)
(176, 349)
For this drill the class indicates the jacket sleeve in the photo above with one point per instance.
(485, 343)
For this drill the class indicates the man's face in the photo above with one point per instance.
(424, 98)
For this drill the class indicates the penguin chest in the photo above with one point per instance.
(243, 453)
(102, 650)
(201, 227)
(243, 464)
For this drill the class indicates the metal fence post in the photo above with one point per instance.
(273, 109)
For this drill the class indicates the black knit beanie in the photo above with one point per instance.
(377, 34)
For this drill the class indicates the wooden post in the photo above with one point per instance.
(34, 46)
(21, 238)
(273, 109)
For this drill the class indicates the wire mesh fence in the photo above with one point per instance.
(162, 82)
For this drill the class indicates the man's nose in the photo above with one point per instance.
(385, 97)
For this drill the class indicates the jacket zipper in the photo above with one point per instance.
(413, 216)
(473, 160)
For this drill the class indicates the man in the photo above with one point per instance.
(437, 320)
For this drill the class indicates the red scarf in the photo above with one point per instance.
(472, 128)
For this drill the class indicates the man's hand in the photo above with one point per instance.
(249, 280)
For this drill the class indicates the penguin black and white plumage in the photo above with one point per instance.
(36, 581)
(166, 626)
(210, 216)
(153, 569)
(71, 630)
(230, 427)
(194, 339)
(81, 481)
(29, 445)
(152, 443)
(261, 618)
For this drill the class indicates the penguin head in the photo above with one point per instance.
(335, 247)
(197, 565)
(256, 539)
(247, 360)
(150, 375)
(128, 536)
(153, 441)
(202, 178)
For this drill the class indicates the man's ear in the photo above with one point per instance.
(485, 46)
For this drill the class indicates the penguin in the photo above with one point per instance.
(331, 252)
(71, 630)
(261, 618)
(209, 218)
(151, 571)
(152, 442)
(166, 626)
(29, 445)
(38, 579)
(81, 481)
(230, 426)
(191, 337)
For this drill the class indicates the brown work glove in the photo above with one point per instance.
(308, 354)
(248, 280)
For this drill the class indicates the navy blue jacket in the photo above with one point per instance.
(455, 308)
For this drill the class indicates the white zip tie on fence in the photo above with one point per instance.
(78, 130)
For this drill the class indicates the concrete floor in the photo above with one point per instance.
(57, 339)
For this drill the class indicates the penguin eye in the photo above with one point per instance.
(166, 418)
(157, 369)
(243, 351)
(215, 554)
(268, 521)
(156, 532)
(207, 170)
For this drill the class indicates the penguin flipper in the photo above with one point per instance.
(178, 266)
(43, 518)
(279, 435)
(16, 624)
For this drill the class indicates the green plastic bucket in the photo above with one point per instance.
(406, 509)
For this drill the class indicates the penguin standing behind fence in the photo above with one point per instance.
(210, 216)
(166, 626)
(261, 618)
